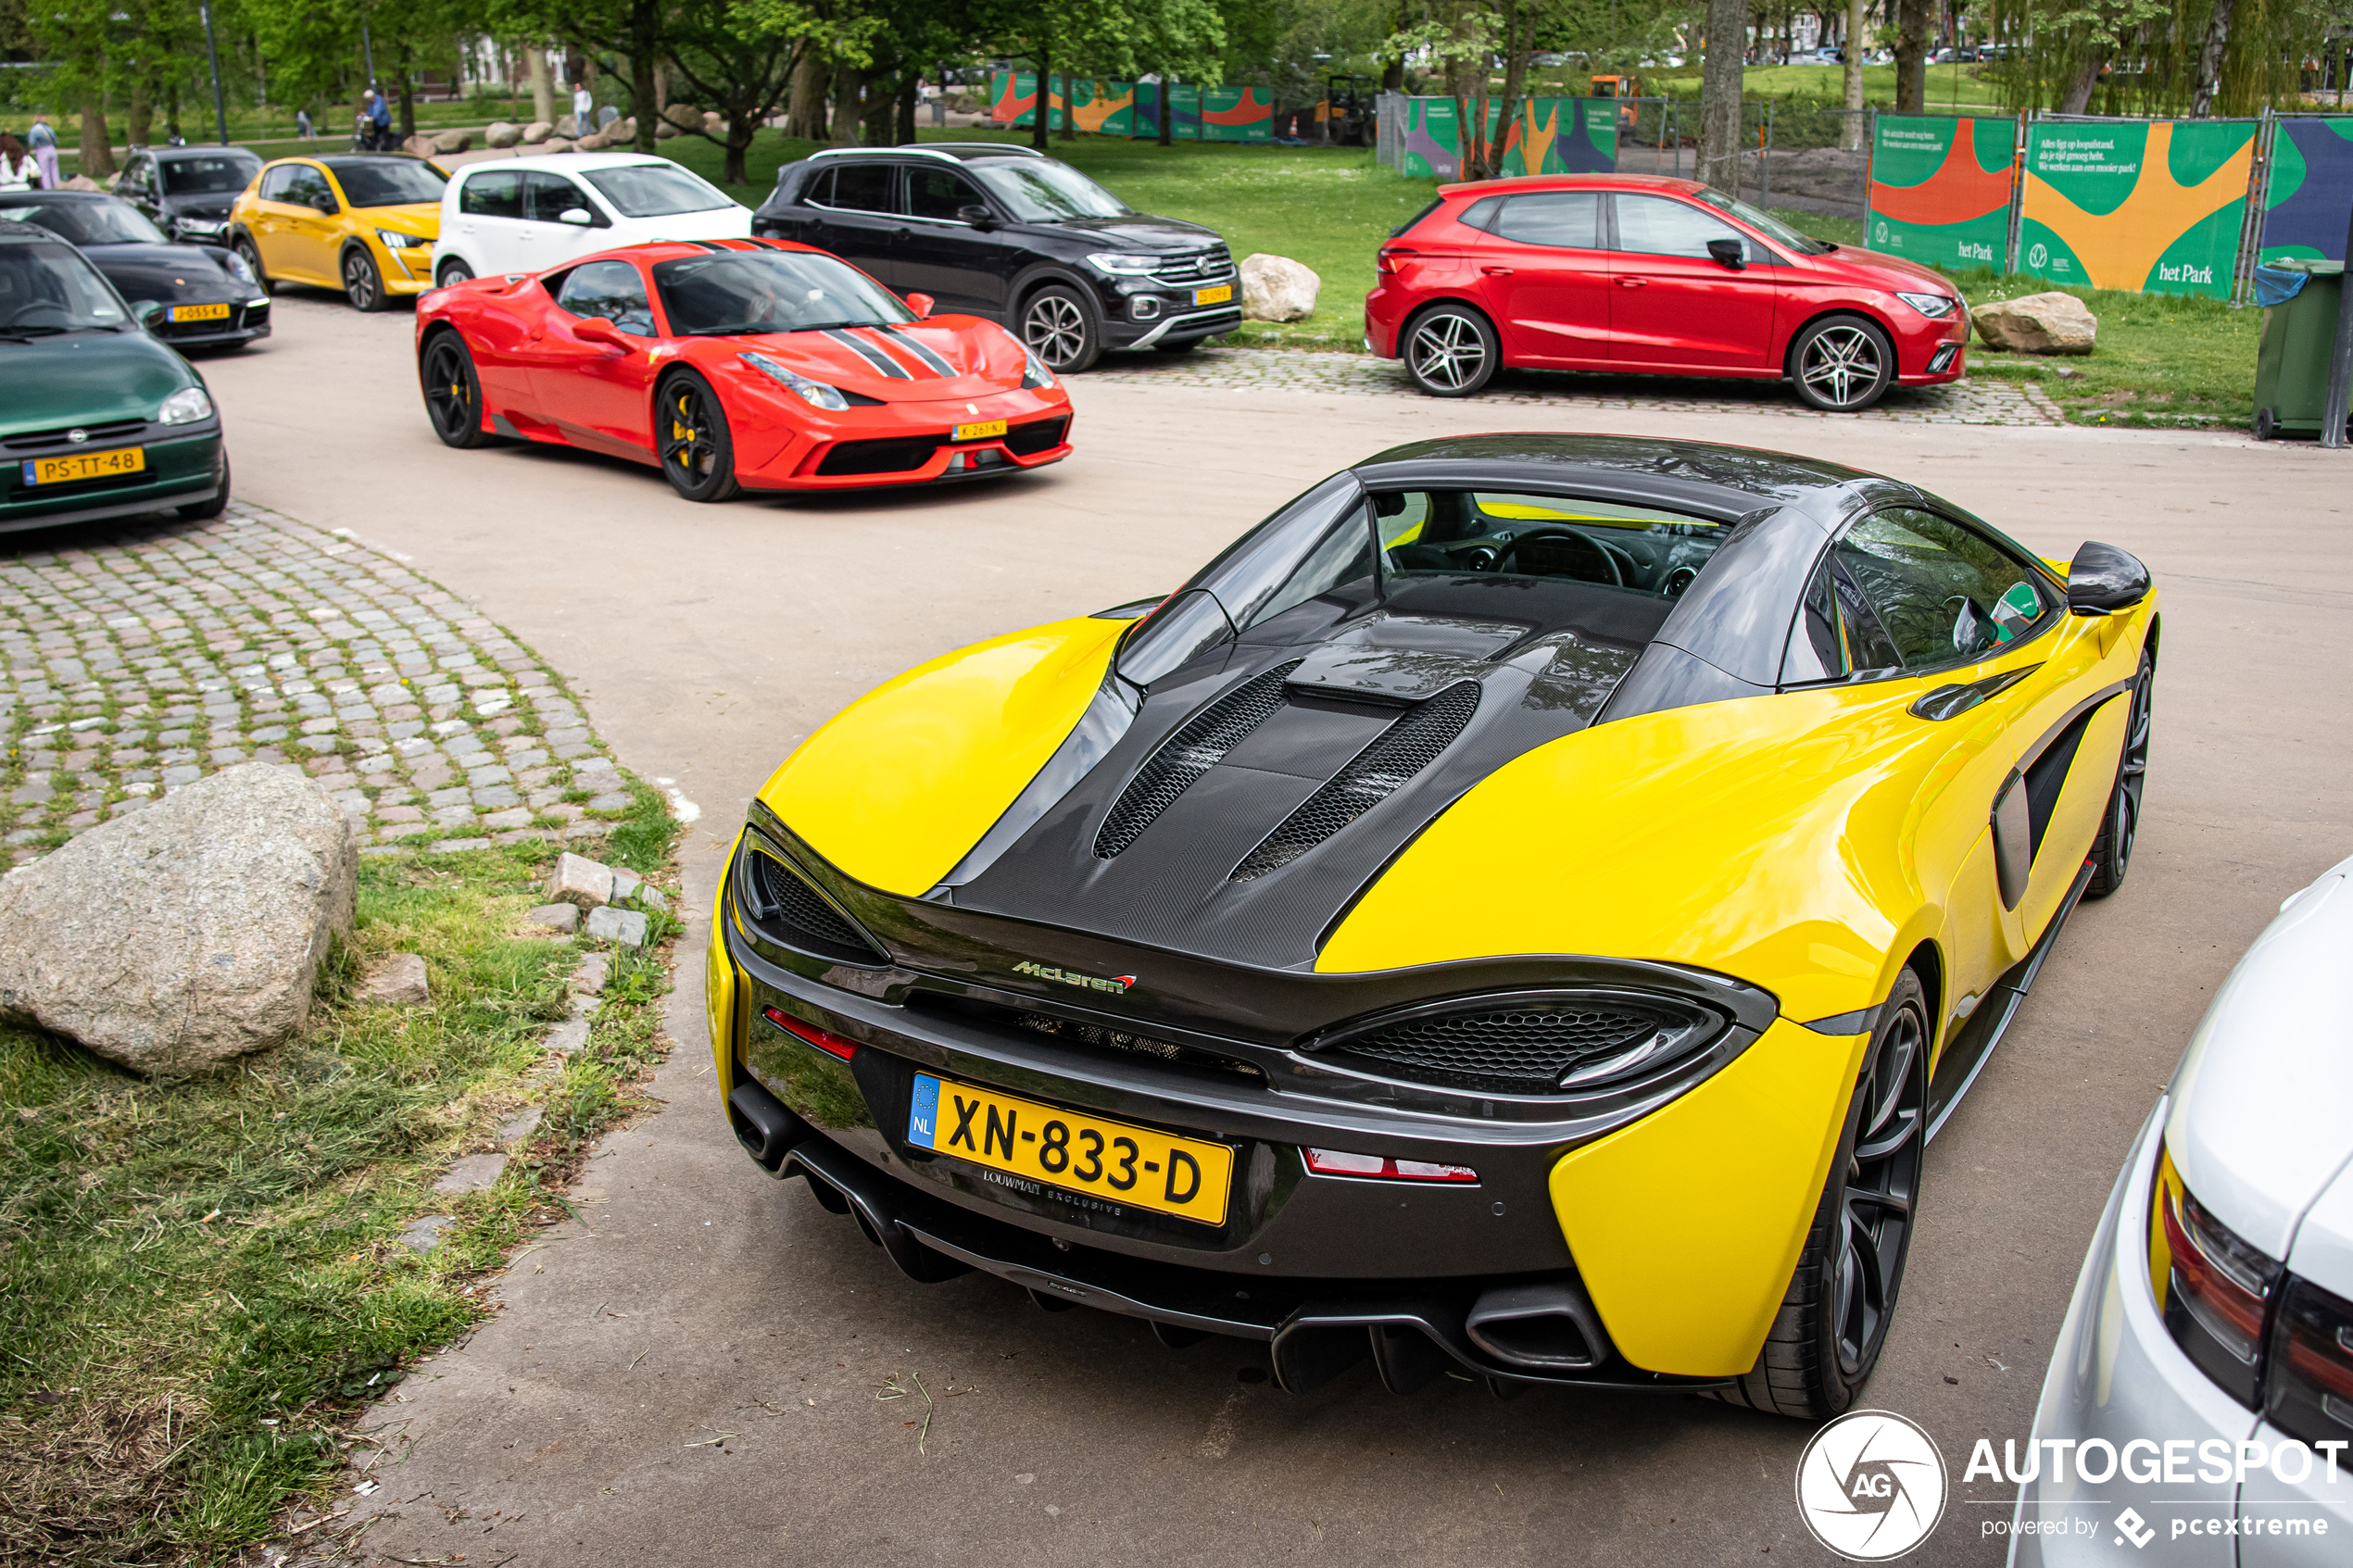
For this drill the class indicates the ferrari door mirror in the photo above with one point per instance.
(579, 215)
(598, 329)
(921, 304)
(1184, 627)
(1731, 252)
(976, 215)
(2101, 580)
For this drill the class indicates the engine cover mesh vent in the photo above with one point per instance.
(1376, 774)
(790, 911)
(1194, 749)
(1141, 1045)
(1531, 1046)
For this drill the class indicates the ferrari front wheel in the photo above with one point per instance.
(698, 453)
(453, 391)
(1833, 1318)
(2112, 854)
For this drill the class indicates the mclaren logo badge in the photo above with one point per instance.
(1115, 984)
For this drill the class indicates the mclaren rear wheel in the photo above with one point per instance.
(697, 451)
(453, 391)
(2112, 851)
(1833, 1321)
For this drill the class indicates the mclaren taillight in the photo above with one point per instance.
(2310, 1391)
(1380, 1167)
(824, 1039)
(2215, 1289)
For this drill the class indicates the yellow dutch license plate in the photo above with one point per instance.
(199, 312)
(1049, 1147)
(84, 465)
(980, 431)
(1218, 295)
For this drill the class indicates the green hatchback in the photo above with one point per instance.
(97, 418)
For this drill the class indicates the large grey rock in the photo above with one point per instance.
(595, 142)
(567, 126)
(419, 145)
(186, 933)
(2038, 323)
(453, 142)
(1275, 288)
(622, 132)
(713, 124)
(501, 133)
(537, 130)
(686, 117)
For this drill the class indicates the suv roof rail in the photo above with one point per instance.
(947, 150)
(845, 152)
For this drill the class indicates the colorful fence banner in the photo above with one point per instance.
(1184, 112)
(1567, 135)
(2150, 205)
(1237, 114)
(2311, 188)
(1104, 108)
(1940, 189)
(1012, 100)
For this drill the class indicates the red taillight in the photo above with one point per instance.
(1387, 260)
(2310, 1392)
(1380, 1167)
(2215, 1289)
(824, 1039)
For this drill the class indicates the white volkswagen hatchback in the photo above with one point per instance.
(2200, 1400)
(528, 214)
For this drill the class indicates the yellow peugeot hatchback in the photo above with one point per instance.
(364, 223)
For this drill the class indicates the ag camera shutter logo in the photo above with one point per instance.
(1871, 1485)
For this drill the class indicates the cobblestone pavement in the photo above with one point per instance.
(142, 658)
(1979, 402)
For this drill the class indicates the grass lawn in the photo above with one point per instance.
(200, 1280)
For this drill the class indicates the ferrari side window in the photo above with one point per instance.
(1946, 594)
(610, 289)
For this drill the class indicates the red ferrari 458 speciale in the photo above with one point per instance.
(736, 364)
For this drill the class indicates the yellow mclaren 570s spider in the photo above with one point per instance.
(1521, 910)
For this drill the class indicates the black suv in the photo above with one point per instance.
(187, 191)
(991, 229)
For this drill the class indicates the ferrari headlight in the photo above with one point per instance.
(1121, 264)
(816, 392)
(184, 407)
(1933, 306)
(395, 240)
(1034, 376)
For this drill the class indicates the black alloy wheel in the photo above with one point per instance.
(453, 391)
(2112, 851)
(1842, 364)
(453, 272)
(1450, 351)
(212, 505)
(698, 454)
(1833, 1321)
(361, 281)
(251, 254)
(1058, 323)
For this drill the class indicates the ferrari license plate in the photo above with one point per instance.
(84, 465)
(1218, 295)
(1046, 1146)
(980, 431)
(199, 312)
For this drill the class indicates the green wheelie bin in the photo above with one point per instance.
(2300, 335)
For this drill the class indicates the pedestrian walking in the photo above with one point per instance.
(44, 142)
(584, 109)
(18, 171)
(303, 128)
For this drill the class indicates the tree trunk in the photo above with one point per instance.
(878, 124)
(2209, 62)
(408, 104)
(2077, 99)
(1915, 24)
(1070, 104)
(739, 132)
(97, 149)
(1850, 134)
(847, 80)
(1167, 110)
(644, 75)
(910, 86)
(1038, 115)
(1720, 94)
(805, 116)
(141, 125)
(543, 91)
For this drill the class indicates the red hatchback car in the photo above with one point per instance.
(1652, 276)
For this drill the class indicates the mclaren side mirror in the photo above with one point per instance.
(599, 329)
(976, 215)
(921, 304)
(2101, 580)
(1731, 252)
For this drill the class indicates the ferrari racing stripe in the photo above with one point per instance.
(869, 354)
(900, 337)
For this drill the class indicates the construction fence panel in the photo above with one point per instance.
(2311, 188)
(1941, 188)
(2152, 206)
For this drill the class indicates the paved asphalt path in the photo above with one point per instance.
(701, 1299)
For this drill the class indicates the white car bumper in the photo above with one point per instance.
(2118, 1378)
